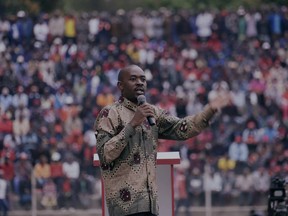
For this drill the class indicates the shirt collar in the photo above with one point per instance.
(127, 103)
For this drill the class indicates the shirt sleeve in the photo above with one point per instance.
(171, 127)
(110, 135)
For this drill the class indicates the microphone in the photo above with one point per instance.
(141, 100)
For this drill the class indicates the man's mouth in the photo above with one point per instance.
(139, 90)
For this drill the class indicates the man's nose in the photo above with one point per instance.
(139, 82)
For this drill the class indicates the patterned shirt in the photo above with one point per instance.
(128, 155)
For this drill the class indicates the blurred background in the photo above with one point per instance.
(59, 62)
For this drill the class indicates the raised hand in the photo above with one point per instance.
(222, 100)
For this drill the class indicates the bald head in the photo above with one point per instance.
(127, 70)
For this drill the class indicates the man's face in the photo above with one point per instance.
(238, 139)
(133, 83)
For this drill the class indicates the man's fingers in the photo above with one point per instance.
(146, 110)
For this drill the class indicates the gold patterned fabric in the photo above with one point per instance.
(128, 155)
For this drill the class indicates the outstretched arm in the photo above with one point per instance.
(171, 127)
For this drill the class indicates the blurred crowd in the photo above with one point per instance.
(58, 70)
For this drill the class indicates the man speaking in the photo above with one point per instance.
(127, 134)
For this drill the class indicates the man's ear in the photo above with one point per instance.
(120, 86)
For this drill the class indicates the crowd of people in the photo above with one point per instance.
(58, 70)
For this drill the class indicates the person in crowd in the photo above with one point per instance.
(204, 21)
(56, 169)
(127, 143)
(5, 98)
(182, 197)
(42, 171)
(195, 187)
(21, 126)
(85, 190)
(71, 171)
(251, 135)
(228, 184)
(20, 97)
(225, 163)
(213, 183)
(261, 185)
(244, 184)
(8, 171)
(56, 25)
(4, 206)
(22, 180)
(238, 151)
(70, 28)
(41, 30)
(49, 194)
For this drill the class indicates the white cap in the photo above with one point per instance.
(56, 156)
(21, 14)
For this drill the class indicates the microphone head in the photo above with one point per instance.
(141, 99)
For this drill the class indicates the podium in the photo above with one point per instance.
(164, 175)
